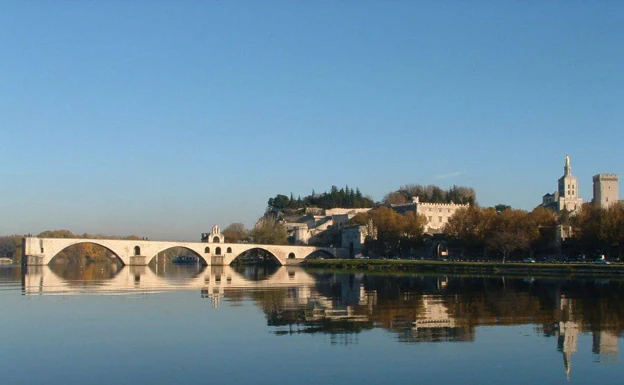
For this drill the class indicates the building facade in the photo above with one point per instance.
(437, 214)
(606, 190)
(354, 238)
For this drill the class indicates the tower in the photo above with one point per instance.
(568, 189)
(606, 190)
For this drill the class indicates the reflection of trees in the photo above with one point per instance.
(177, 272)
(342, 303)
(10, 273)
(87, 274)
(255, 273)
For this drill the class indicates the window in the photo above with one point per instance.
(207, 250)
(291, 256)
(229, 250)
(429, 219)
(218, 251)
(439, 219)
(137, 250)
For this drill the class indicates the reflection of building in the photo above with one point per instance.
(605, 344)
(435, 324)
(567, 343)
(437, 214)
(606, 190)
(435, 314)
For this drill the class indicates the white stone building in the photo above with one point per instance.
(437, 214)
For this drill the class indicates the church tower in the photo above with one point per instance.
(568, 189)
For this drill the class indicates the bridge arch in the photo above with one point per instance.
(320, 253)
(114, 255)
(201, 258)
(268, 255)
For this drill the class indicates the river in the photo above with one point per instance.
(103, 324)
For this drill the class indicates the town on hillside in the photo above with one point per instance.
(428, 222)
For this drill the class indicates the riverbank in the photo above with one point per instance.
(450, 267)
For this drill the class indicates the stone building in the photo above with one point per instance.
(437, 214)
(320, 226)
(606, 190)
(354, 238)
(566, 197)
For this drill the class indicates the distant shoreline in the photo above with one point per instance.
(490, 268)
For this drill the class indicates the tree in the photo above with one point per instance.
(235, 233)
(279, 202)
(11, 247)
(541, 228)
(510, 232)
(612, 228)
(431, 193)
(395, 198)
(470, 227)
(586, 225)
(500, 207)
(393, 229)
(600, 229)
(268, 231)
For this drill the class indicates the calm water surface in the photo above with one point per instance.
(99, 324)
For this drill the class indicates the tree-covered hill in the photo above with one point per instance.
(344, 197)
(431, 194)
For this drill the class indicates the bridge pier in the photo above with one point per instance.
(138, 260)
(32, 260)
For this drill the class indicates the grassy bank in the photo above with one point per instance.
(490, 268)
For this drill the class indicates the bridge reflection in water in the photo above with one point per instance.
(39, 280)
(416, 308)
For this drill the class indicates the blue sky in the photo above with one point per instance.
(163, 118)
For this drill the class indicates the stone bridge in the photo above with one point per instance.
(40, 251)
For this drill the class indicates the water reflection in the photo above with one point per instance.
(414, 309)
(84, 274)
